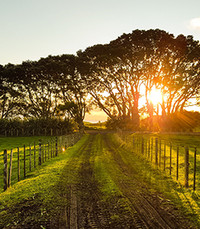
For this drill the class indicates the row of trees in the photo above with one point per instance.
(115, 76)
(35, 127)
(134, 64)
(45, 89)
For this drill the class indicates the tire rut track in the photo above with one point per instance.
(93, 211)
(68, 217)
(90, 209)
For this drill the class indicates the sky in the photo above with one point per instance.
(31, 29)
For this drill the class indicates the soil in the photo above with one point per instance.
(86, 207)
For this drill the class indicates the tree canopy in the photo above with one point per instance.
(117, 76)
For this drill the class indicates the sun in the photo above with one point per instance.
(155, 96)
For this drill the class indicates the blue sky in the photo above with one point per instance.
(31, 29)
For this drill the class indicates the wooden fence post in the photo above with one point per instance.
(146, 144)
(149, 148)
(142, 145)
(29, 157)
(24, 161)
(40, 152)
(156, 152)
(133, 144)
(56, 146)
(42, 148)
(10, 169)
(186, 167)
(18, 164)
(5, 170)
(48, 150)
(151, 152)
(51, 148)
(170, 159)
(160, 152)
(45, 153)
(34, 156)
(195, 157)
(177, 162)
(164, 158)
(53, 145)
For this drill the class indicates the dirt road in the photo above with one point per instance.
(100, 186)
(91, 205)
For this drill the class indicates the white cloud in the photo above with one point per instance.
(195, 23)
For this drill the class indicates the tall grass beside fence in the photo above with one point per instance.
(178, 159)
(17, 163)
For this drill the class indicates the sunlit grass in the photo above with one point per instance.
(95, 126)
(40, 186)
(9, 143)
(159, 179)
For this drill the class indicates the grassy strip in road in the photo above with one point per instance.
(35, 199)
(102, 161)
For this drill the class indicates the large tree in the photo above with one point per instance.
(64, 72)
(143, 60)
(11, 103)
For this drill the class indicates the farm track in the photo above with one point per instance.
(68, 217)
(85, 204)
(87, 210)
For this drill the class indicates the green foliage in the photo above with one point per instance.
(185, 121)
(115, 75)
(95, 126)
(116, 123)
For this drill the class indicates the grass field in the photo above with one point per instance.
(14, 142)
(106, 177)
(95, 126)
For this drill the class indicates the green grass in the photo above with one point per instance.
(46, 187)
(14, 142)
(158, 181)
(102, 164)
(95, 126)
(177, 141)
(9, 143)
(41, 187)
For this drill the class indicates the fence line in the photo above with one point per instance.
(176, 160)
(29, 131)
(26, 159)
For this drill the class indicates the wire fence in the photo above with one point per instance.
(178, 160)
(16, 164)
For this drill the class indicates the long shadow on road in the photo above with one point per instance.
(87, 206)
